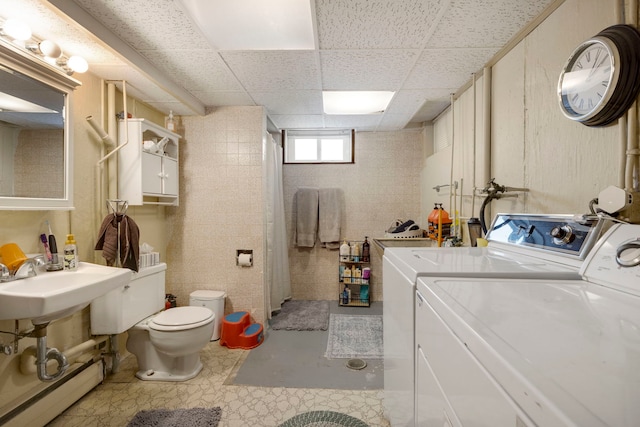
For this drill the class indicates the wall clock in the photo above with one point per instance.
(601, 78)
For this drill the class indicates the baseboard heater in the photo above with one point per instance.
(52, 401)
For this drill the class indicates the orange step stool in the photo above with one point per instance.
(239, 332)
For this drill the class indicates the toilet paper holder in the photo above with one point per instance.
(244, 257)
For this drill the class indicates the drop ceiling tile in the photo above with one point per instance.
(291, 121)
(223, 98)
(407, 102)
(358, 122)
(290, 102)
(376, 24)
(445, 68)
(149, 24)
(274, 70)
(487, 23)
(430, 110)
(196, 70)
(366, 70)
(391, 122)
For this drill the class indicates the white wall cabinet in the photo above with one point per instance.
(146, 176)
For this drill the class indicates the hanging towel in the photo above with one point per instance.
(306, 217)
(129, 240)
(329, 217)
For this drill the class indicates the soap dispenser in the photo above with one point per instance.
(70, 253)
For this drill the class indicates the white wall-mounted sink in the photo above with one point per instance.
(53, 295)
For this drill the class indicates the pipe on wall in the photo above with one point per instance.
(29, 357)
(486, 111)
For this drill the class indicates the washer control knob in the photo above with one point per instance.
(562, 234)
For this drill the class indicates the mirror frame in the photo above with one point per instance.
(36, 68)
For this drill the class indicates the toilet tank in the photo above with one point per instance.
(120, 309)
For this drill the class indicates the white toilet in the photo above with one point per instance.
(167, 343)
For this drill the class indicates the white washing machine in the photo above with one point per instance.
(520, 245)
(521, 352)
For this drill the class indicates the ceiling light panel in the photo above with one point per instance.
(355, 102)
(254, 24)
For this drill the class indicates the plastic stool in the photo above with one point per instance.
(239, 332)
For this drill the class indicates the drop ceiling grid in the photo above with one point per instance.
(147, 25)
(195, 69)
(290, 102)
(223, 98)
(446, 68)
(297, 121)
(375, 24)
(365, 69)
(274, 70)
(487, 23)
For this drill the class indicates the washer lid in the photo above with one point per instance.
(182, 316)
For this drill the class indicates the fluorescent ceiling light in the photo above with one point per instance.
(254, 24)
(356, 102)
(11, 103)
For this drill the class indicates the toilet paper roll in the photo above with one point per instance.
(244, 260)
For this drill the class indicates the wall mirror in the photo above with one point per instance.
(35, 138)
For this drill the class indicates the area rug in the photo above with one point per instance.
(302, 315)
(355, 336)
(323, 419)
(194, 417)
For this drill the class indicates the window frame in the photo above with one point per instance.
(288, 137)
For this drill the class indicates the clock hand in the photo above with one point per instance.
(595, 62)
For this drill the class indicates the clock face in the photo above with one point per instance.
(588, 80)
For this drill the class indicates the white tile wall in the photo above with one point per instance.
(381, 186)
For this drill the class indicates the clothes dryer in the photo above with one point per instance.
(535, 352)
(520, 246)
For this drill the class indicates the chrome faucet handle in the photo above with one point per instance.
(5, 274)
(27, 269)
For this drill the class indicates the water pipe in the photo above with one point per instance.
(44, 354)
(33, 361)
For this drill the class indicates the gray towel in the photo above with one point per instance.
(329, 217)
(306, 217)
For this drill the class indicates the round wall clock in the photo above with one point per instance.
(601, 78)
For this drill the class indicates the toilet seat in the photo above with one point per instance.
(181, 318)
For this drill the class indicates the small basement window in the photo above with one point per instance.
(318, 146)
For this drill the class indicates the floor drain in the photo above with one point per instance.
(356, 364)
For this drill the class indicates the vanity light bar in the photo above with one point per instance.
(19, 34)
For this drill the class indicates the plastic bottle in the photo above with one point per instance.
(70, 253)
(171, 124)
(366, 250)
(355, 252)
(347, 275)
(344, 251)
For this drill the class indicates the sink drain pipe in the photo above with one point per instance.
(44, 354)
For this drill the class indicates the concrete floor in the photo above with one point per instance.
(295, 359)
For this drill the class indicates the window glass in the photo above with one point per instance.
(320, 146)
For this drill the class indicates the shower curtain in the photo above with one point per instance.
(277, 279)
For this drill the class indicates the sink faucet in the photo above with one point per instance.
(26, 269)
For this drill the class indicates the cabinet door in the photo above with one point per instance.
(151, 173)
(170, 176)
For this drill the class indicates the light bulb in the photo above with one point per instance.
(50, 49)
(78, 64)
(16, 29)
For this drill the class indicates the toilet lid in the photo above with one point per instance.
(181, 318)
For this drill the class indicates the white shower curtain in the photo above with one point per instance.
(277, 279)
